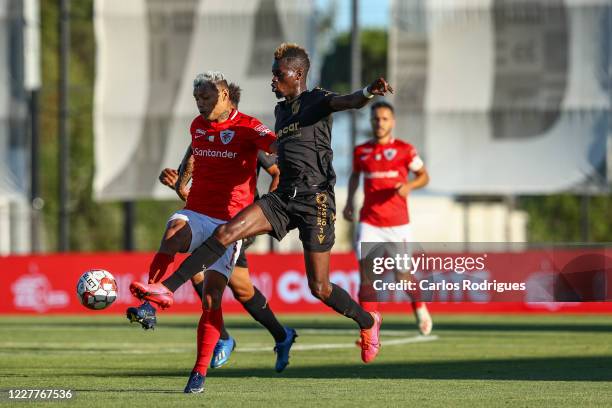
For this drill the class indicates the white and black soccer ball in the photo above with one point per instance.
(97, 289)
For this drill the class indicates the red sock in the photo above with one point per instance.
(209, 330)
(159, 266)
(416, 305)
(368, 298)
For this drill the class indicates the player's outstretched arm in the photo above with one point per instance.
(359, 99)
(184, 174)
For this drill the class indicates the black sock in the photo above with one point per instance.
(257, 306)
(341, 302)
(199, 287)
(224, 334)
(203, 257)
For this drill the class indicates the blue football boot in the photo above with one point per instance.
(143, 314)
(195, 383)
(282, 349)
(223, 351)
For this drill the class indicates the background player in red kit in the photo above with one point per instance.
(224, 145)
(385, 163)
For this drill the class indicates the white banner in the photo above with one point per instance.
(16, 78)
(505, 96)
(149, 52)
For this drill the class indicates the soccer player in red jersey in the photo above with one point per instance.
(385, 163)
(224, 147)
(254, 302)
(304, 198)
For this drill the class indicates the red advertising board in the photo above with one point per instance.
(47, 284)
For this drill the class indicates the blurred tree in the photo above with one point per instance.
(558, 218)
(336, 70)
(94, 226)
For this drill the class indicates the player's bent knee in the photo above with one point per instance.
(212, 300)
(197, 278)
(225, 234)
(172, 245)
(320, 290)
(176, 238)
(243, 295)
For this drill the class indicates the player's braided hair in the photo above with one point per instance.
(293, 54)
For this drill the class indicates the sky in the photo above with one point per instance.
(371, 12)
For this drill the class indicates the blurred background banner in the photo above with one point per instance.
(148, 53)
(505, 96)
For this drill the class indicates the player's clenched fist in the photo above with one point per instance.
(348, 212)
(402, 189)
(380, 87)
(168, 177)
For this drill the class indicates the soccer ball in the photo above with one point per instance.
(97, 289)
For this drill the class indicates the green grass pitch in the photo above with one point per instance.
(474, 360)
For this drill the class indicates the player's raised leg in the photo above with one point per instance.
(177, 238)
(317, 270)
(248, 222)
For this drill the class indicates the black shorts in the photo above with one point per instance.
(241, 262)
(313, 214)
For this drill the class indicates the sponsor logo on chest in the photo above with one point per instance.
(292, 129)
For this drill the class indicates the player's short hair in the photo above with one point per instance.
(293, 54)
(213, 77)
(381, 104)
(234, 93)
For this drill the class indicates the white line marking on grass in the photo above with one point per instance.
(175, 348)
(351, 332)
(328, 346)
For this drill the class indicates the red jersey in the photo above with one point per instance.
(383, 166)
(225, 161)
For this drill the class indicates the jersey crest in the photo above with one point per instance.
(226, 136)
(390, 154)
(295, 107)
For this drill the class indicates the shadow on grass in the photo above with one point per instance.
(593, 368)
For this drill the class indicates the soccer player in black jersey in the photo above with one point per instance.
(304, 198)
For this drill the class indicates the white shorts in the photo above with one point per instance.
(202, 226)
(370, 233)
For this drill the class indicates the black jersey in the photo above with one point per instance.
(303, 128)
